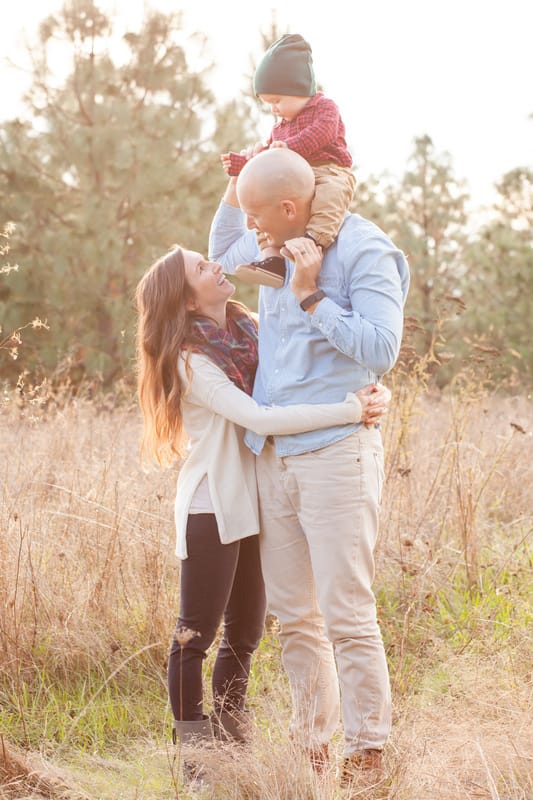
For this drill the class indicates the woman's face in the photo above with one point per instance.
(210, 287)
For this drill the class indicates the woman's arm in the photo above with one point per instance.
(210, 387)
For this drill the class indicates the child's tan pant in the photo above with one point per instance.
(334, 187)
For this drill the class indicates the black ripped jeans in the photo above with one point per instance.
(218, 581)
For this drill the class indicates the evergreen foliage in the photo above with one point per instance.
(108, 171)
(111, 166)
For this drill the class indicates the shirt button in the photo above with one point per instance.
(276, 371)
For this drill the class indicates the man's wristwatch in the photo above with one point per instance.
(307, 302)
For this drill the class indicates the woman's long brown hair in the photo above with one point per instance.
(164, 326)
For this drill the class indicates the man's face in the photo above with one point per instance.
(272, 218)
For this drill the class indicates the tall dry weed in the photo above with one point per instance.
(87, 568)
(89, 586)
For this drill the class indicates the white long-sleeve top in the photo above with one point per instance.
(216, 415)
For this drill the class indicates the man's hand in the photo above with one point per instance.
(307, 259)
(226, 163)
(234, 162)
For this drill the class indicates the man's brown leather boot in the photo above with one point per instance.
(319, 758)
(363, 769)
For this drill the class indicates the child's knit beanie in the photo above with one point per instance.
(286, 68)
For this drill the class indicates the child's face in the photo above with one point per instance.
(285, 106)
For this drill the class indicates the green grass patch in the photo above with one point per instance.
(425, 623)
(86, 712)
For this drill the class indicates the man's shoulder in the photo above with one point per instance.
(361, 241)
(356, 230)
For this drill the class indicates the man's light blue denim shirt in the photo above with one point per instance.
(352, 338)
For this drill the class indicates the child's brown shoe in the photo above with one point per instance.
(270, 272)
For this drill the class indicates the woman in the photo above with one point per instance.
(197, 357)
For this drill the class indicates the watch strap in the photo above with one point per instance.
(307, 302)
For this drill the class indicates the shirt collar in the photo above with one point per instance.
(314, 100)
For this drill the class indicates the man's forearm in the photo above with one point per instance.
(369, 343)
(230, 195)
(369, 332)
(230, 243)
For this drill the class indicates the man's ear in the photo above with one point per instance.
(288, 208)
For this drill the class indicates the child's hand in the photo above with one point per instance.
(254, 149)
(278, 143)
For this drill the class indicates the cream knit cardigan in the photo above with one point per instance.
(216, 415)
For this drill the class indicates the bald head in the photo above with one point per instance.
(275, 190)
(277, 175)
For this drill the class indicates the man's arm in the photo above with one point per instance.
(370, 332)
(230, 242)
(230, 195)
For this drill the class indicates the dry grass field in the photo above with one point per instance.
(89, 591)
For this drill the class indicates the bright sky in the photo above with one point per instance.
(458, 70)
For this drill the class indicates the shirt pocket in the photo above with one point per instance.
(270, 300)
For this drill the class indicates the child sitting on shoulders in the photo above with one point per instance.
(311, 125)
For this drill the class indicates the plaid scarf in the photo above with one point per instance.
(233, 349)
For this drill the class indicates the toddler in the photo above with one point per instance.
(310, 124)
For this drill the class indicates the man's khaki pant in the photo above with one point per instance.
(319, 523)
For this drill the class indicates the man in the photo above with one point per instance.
(334, 326)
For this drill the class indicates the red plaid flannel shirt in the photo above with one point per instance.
(317, 133)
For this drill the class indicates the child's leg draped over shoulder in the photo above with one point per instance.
(334, 188)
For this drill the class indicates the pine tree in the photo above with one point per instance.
(500, 286)
(114, 165)
(425, 215)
